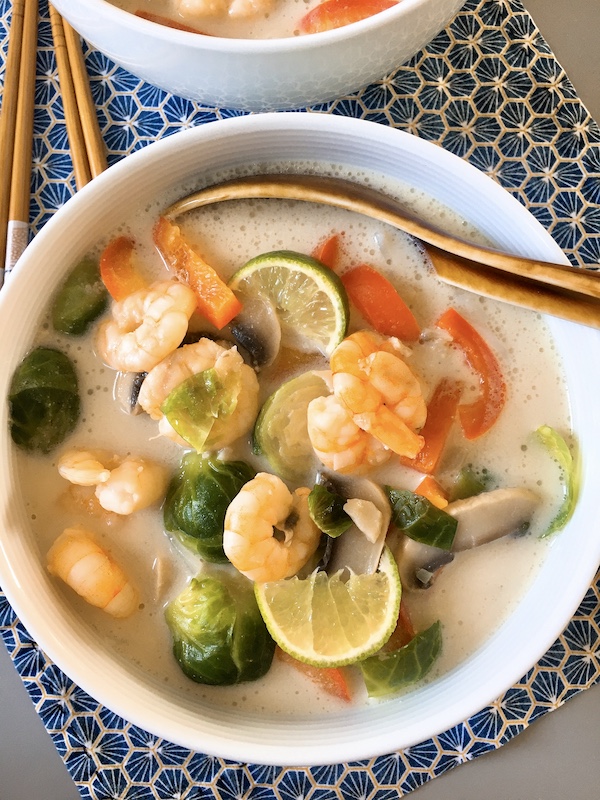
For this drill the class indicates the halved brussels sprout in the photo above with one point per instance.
(197, 500)
(420, 519)
(219, 636)
(326, 509)
(44, 400)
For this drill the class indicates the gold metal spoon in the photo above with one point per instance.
(571, 293)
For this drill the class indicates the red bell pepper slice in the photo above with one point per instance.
(216, 301)
(118, 269)
(330, 679)
(441, 413)
(478, 417)
(328, 251)
(337, 13)
(379, 303)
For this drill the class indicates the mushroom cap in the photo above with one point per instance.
(491, 515)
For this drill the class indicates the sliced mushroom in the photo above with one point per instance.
(256, 329)
(491, 515)
(481, 519)
(418, 563)
(354, 550)
(127, 389)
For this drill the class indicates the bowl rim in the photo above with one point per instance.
(126, 19)
(273, 751)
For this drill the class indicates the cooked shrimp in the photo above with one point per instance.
(380, 391)
(82, 564)
(123, 485)
(263, 506)
(146, 326)
(86, 467)
(338, 441)
(191, 359)
(223, 8)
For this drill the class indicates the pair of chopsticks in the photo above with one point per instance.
(16, 122)
(85, 140)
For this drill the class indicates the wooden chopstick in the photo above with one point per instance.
(94, 143)
(16, 122)
(16, 141)
(8, 119)
(85, 141)
(81, 166)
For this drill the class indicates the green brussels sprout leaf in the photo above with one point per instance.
(420, 519)
(44, 400)
(219, 636)
(571, 475)
(80, 300)
(470, 482)
(387, 673)
(326, 509)
(193, 407)
(197, 500)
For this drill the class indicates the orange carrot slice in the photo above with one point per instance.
(331, 679)
(431, 489)
(441, 413)
(402, 633)
(327, 251)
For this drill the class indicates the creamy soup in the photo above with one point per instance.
(256, 19)
(472, 596)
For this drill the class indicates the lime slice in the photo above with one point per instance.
(310, 300)
(328, 622)
(280, 432)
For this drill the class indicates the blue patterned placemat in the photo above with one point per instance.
(488, 89)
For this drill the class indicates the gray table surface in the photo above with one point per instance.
(556, 757)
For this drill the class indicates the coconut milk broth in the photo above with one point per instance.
(472, 596)
(281, 21)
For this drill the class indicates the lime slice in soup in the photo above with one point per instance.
(326, 621)
(280, 432)
(309, 299)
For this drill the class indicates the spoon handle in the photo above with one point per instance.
(468, 275)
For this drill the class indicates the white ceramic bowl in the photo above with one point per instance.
(261, 75)
(358, 732)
